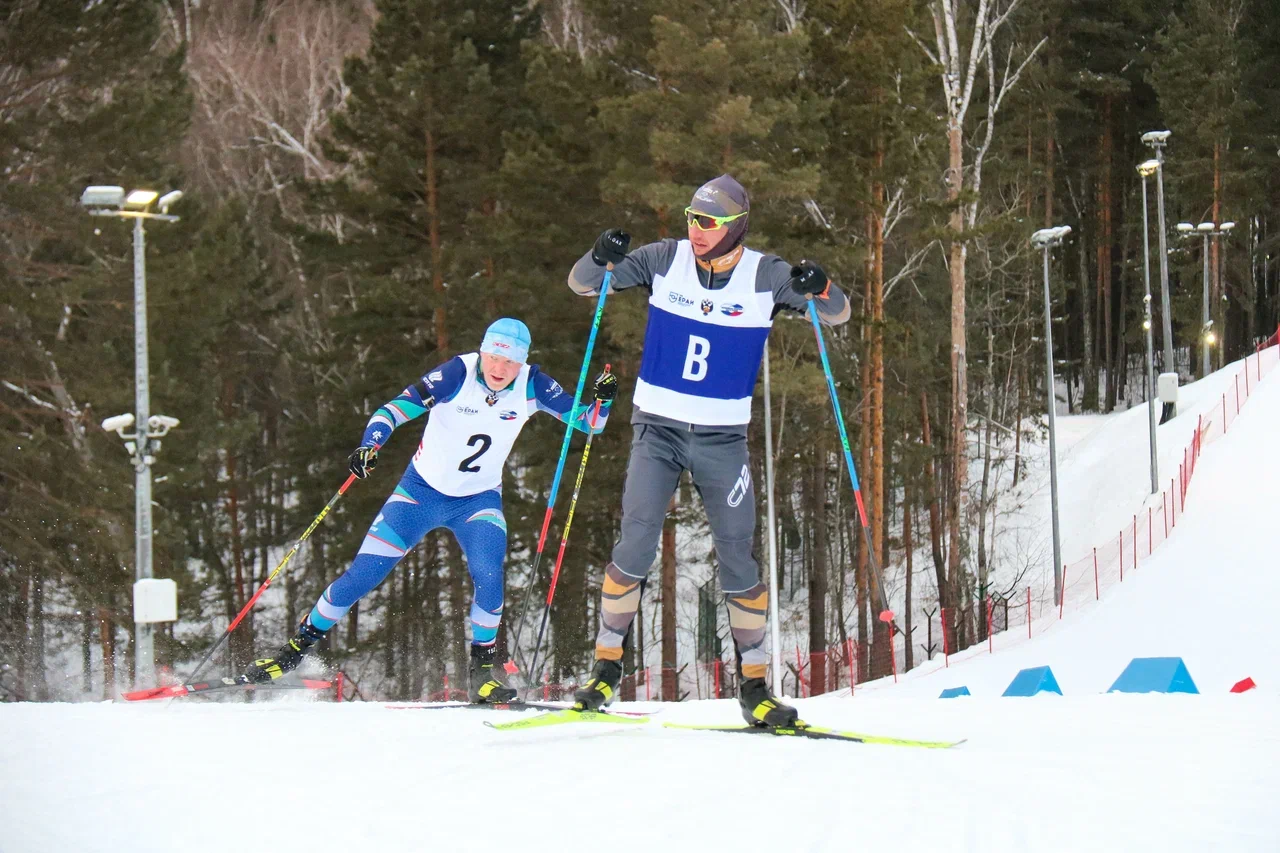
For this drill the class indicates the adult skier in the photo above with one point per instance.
(478, 403)
(712, 301)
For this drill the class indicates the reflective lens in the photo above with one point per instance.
(706, 222)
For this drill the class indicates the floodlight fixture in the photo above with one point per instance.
(102, 196)
(161, 424)
(1148, 168)
(168, 200)
(140, 198)
(1185, 227)
(118, 423)
(1156, 138)
(1205, 227)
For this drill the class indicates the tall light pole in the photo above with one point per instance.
(1208, 338)
(144, 442)
(1045, 239)
(1156, 140)
(1147, 169)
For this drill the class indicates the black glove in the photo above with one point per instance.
(809, 279)
(363, 460)
(611, 247)
(606, 387)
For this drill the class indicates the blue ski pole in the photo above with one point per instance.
(886, 614)
(578, 408)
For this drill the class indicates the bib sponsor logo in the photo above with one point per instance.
(679, 299)
(467, 410)
(435, 376)
(508, 416)
(740, 488)
(708, 306)
(731, 310)
(554, 390)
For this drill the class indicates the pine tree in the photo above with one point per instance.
(84, 100)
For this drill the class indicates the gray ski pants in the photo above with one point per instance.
(719, 465)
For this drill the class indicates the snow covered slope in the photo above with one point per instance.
(1208, 595)
(1087, 770)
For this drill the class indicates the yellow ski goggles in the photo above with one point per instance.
(707, 222)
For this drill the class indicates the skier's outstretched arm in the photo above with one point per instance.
(438, 386)
(629, 270)
(547, 395)
(792, 286)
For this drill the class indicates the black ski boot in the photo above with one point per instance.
(762, 708)
(266, 670)
(485, 688)
(599, 690)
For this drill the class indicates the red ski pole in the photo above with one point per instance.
(564, 537)
(244, 611)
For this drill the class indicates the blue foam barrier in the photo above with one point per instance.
(1029, 682)
(1154, 675)
(953, 692)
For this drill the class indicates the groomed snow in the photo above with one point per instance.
(1087, 770)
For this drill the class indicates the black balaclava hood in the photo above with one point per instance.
(723, 196)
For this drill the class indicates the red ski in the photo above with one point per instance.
(226, 683)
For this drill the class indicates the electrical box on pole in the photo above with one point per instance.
(155, 600)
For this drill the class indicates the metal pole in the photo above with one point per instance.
(144, 651)
(1165, 312)
(1204, 314)
(1146, 303)
(774, 634)
(1053, 445)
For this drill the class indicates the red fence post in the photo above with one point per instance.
(717, 678)
(1164, 510)
(1028, 613)
(946, 649)
(1096, 594)
(646, 684)
(446, 687)
(1247, 392)
(990, 643)
(338, 685)
(853, 673)
(546, 686)
(799, 674)
(893, 658)
(1237, 393)
(1182, 496)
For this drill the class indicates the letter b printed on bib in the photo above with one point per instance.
(695, 360)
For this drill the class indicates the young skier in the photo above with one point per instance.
(711, 304)
(478, 403)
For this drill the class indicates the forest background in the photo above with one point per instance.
(368, 184)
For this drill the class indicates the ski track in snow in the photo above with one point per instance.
(1106, 772)
(1087, 770)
